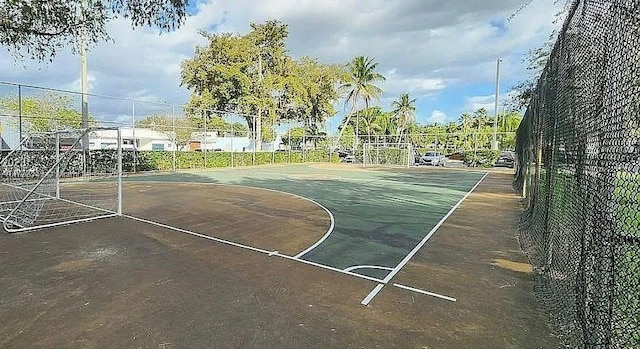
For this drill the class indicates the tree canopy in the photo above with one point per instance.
(253, 74)
(45, 113)
(40, 28)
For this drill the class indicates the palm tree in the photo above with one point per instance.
(466, 123)
(404, 111)
(453, 138)
(368, 119)
(386, 124)
(359, 85)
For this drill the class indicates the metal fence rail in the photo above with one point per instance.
(579, 169)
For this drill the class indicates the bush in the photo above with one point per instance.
(141, 161)
(481, 157)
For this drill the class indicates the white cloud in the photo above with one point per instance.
(424, 47)
(488, 102)
(416, 86)
(477, 102)
(438, 117)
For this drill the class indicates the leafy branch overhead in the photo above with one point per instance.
(40, 28)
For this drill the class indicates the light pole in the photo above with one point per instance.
(494, 144)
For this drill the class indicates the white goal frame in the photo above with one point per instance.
(20, 200)
(373, 154)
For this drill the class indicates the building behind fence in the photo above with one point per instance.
(579, 155)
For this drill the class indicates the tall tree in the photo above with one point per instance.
(41, 28)
(238, 73)
(387, 125)
(404, 111)
(252, 74)
(360, 86)
(309, 92)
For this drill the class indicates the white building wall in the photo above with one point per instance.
(145, 139)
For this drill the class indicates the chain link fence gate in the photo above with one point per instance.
(578, 151)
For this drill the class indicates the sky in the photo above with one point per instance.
(442, 52)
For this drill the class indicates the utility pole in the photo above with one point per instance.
(84, 86)
(258, 123)
(494, 144)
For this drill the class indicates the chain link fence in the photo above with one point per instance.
(158, 135)
(162, 136)
(578, 151)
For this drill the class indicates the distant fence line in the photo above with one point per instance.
(128, 112)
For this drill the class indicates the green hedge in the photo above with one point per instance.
(482, 157)
(163, 160)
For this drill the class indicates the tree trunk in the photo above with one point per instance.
(346, 122)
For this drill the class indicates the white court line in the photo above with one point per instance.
(367, 267)
(198, 234)
(372, 294)
(425, 292)
(433, 230)
(321, 240)
(370, 278)
(415, 250)
(255, 249)
(331, 218)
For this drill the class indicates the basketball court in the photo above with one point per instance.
(310, 255)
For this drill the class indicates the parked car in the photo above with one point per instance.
(506, 159)
(346, 155)
(456, 156)
(433, 158)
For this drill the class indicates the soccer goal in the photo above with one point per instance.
(55, 178)
(389, 154)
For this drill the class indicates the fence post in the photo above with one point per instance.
(204, 149)
(133, 133)
(289, 133)
(233, 132)
(175, 136)
(20, 115)
(119, 159)
(57, 164)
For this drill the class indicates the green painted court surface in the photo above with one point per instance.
(380, 215)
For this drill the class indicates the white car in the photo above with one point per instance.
(433, 158)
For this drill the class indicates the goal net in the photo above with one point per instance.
(52, 179)
(389, 154)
